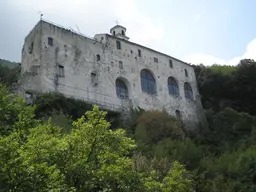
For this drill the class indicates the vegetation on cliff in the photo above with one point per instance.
(62, 144)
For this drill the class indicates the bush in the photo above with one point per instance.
(153, 126)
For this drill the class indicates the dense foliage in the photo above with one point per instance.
(37, 156)
(9, 73)
(62, 144)
(223, 86)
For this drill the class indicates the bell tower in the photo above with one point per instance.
(119, 32)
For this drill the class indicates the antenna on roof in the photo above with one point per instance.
(78, 29)
(41, 15)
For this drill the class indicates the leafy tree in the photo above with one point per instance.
(48, 103)
(183, 150)
(225, 86)
(91, 158)
(176, 180)
(232, 171)
(15, 114)
(157, 125)
(9, 74)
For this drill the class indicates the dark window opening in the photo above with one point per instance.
(139, 52)
(50, 41)
(170, 63)
(118, 44)
(186, 73)
(122, 32)
(148, 83)
(120, 64)
(121, 89)
(155, 60)
(188, 91)
(98, 57)
(31, 48)
(94, 80)
(60, 71)
(178, 115)
(131, 51)
(173, 86)
(114, 33)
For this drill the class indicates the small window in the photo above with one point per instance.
(131, 51)
(114, 33)
(188, 91)
(155, 60)
(60, 71)
(94, 78)
(118, 44)
(170, 63)
(139, 52)
(178, 115)
(50, 41)
(98, 57)
(31, 48)
(123, 32)
(186, 73)
(120, 64)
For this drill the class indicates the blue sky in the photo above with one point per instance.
(194, 31)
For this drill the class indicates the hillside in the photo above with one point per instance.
(50, 147)
(9, 72)
(9, 64)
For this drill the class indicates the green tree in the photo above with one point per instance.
(15, 113)
(157, 125)
(176, 180)
(91, 158)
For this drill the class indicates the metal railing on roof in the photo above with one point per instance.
(66, 28)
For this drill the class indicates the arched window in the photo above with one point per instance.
(121, 89)
(173, 86)
(186, 72)
(148, 83)
(188, 91)
(114, 33)
(98, 57)
(122, 32)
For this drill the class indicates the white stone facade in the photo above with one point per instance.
(57, 59)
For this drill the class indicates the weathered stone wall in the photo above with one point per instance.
(77, 54)
(31, 72)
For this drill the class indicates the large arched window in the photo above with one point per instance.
(148, 83)
(173, 86)
(188, 91)
(121, 89)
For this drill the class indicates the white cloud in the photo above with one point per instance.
(141, 27)
(197, 58)
(199, 15)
